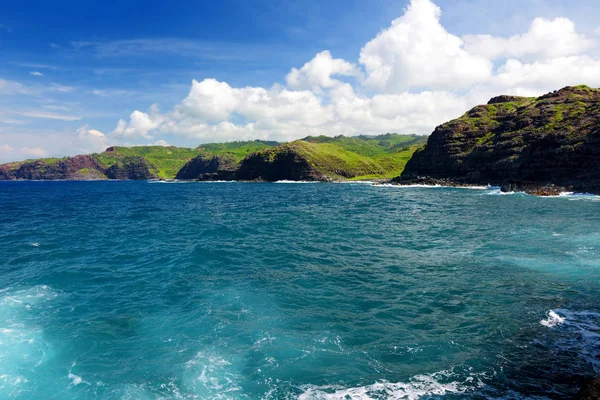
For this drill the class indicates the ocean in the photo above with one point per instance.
(152, 290)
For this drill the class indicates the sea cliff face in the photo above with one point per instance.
(282, 163)
(540, 145)
(82, 167)
(78, 167)
(209, 168)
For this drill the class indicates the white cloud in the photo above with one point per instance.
(33, 151)
(545, 39)
(12, 87)
(4, 148)
(36, 73)
(161, 143)
(318, 72)
(411, 77)
(416, 51)
(140, 124)
(46, 115)
(112, 92)
(545, 75)
(90, 140)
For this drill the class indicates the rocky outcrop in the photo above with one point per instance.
(84, 167)
(209, 168)
(132, 168)
(539, 145)
(78, 167)
(281, 163)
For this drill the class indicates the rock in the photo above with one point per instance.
(590, 391)
(534, 188)
(132, 168)
(7, 172)
(505, 99)
(69, 168)
(281, 163)
(209, 168)
(552, 142)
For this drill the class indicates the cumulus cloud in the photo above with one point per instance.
(318, 72)
(90, 140)
(416, 51)
(411, 77)
(140, 124)
(544, 39)
(36, 73)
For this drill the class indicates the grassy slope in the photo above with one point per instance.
(168, 160)
(362, 157)
(238, 149)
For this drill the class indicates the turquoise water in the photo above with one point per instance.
(140, 290)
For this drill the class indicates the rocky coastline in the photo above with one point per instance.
(542, 146)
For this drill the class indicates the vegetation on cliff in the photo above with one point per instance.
(322, 157)
(550, 140)
(327, 158)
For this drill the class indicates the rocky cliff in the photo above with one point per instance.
(71, 168)
(281, 163)
(83, 167)
(132, 168)
(541, 145)
(209, 168)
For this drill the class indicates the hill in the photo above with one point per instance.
(540, 145)
(314, 158)
(361, 157)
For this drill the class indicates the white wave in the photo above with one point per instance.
(215, 182)
(22, 346)
(76, 379)
(434, 186)
(584, 327)
(356, 182)
(497, 192)
(211, 376)
(288, 181)
(35, 244)
(552, 319)
(418, 387)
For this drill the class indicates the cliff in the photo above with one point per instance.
(325, 158)
(313, 158)
(71, 168)
(209, 168)
(540, 145)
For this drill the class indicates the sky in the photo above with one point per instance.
(77, 77)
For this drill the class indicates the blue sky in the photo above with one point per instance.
(69, 71)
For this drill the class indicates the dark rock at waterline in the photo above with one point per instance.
(590, 391)
(534, 188)
(550, 143)
(209, 168)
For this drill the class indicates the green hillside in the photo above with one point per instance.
(339, 158)
(239, 149)
(369, 157)
(168, 160)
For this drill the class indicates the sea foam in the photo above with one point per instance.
(418, 387)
